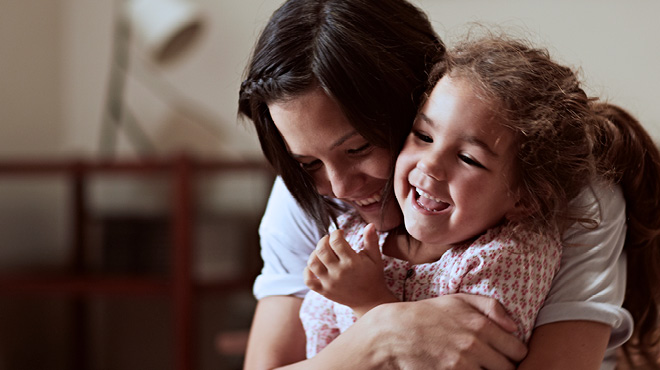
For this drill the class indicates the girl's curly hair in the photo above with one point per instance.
(565, 140)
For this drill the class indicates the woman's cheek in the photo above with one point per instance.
(380, 164)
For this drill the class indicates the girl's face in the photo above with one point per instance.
(342, 163)
(454, 176)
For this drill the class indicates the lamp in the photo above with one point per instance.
(165, 29)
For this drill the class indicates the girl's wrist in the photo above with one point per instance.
(361, 310)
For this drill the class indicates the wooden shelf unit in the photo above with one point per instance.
(180, 284)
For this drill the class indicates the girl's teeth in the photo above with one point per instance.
(428, 196)
(430, 203)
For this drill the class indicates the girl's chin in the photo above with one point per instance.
(391, 220)
(384, 224)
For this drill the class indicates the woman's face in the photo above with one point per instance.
(342, 163)
(455, 173)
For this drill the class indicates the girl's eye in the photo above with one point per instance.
(311, 166)
(360, 150)
(422, 136)
(468, 160)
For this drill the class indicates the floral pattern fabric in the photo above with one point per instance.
(517, 271)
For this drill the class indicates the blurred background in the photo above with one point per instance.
(86, 96)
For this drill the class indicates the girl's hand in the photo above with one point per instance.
(354, 279)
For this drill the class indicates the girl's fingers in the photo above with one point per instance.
(325, 252)
(311, 280)
(340, 246)
(316, 266)
(371, 247)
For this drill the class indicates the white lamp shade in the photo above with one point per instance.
(165, 27)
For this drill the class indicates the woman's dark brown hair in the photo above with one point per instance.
(370, 56)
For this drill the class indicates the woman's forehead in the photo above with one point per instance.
(311, 121)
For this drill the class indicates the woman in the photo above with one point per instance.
(332, 88)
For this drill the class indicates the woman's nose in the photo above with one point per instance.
(338, 182)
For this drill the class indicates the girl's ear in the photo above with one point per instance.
(517, 213)
(520, 209)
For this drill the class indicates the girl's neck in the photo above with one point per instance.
(404, 247)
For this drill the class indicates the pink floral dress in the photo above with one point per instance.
(516, 271)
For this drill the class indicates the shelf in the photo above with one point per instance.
(37, 283)
(54, 283)
(178, 282)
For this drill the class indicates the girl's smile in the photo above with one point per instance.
(455, 176)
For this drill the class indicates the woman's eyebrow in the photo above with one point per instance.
(337, 143)
(343, 139)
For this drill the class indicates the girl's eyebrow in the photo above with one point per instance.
(471, 139)
(425, 118)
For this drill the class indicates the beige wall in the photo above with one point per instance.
(55, 58)
(55, 55)
(31, 107)
(617, 43)
(188, 104)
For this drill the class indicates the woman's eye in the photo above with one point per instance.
(470, 161)
(360, 150)
(422, 136)
(311, 166)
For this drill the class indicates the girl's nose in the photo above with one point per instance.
(432, 167)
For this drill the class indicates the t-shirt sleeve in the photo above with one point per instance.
(287, 238)
(517, 272)
(590, 284)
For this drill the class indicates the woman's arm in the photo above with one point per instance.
(457, 331)
(276, 336)
(567, 345)
(582, 316)
(450, 329)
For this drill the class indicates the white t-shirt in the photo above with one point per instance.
(590, 284)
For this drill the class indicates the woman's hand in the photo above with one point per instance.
(354, 279)
(457, 331)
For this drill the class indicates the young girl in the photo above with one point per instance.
(506, 139)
